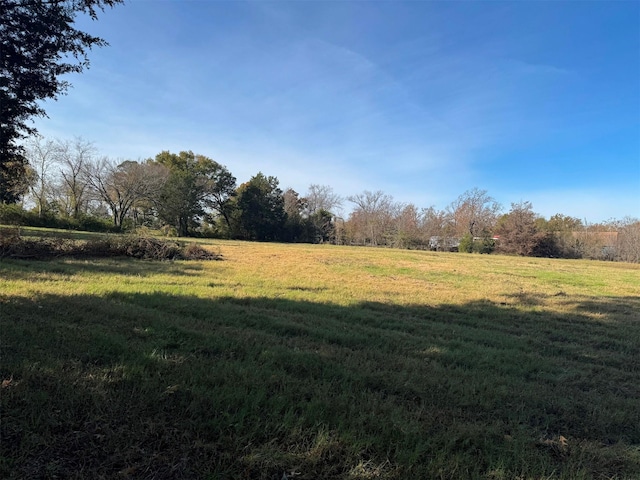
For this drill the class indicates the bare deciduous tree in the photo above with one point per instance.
(125, 184)
(43, 157)
(407, 231)
(74, 157)
(372, 215)
(627, 248)
(474, 212)
(322, 197)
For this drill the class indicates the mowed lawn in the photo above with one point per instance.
(320, 362)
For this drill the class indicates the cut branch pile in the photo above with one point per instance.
(13, 245)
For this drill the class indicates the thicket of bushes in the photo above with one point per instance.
(470, 245)
(13, 214)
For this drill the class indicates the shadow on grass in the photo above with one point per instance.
(22, 270)
(162, 386)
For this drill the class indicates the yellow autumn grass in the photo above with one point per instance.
(348, 275)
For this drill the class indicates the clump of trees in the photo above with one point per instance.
(184, 194)
(187, 194)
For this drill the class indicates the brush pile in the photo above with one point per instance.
(14, 245)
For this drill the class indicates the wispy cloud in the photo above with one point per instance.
(421, 100)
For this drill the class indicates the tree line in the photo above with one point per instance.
(69, 185)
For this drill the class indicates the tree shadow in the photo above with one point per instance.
(25, 269)
(166, 386)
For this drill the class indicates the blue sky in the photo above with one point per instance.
(536, 101)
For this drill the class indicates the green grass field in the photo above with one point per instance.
(320, 362)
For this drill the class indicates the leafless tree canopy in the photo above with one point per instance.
(322, 197)
(473, 212)
(125, 185)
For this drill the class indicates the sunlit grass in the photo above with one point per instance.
(320, 362)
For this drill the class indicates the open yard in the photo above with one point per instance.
(320, 362)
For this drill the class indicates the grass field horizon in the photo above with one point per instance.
(320, 361)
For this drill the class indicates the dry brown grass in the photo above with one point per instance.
(348, 275)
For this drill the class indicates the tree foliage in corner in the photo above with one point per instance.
(38, 44)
